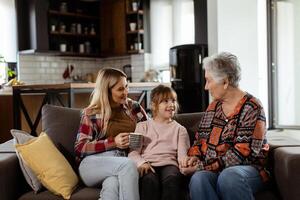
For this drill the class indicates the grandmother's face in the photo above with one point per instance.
(119, 92)
(215, 88)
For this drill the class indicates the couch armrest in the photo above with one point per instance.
(287, 174)
(12, 180)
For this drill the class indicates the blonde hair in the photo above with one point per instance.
(159, 94)
(107, 78)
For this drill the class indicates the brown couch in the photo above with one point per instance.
(61, 124)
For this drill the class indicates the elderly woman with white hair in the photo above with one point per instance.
(227, 160)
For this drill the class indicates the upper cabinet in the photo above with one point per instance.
(112, 23)
(73, 27)
(82, 27)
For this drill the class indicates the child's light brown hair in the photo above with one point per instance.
(159, 94)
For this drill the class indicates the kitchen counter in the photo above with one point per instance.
(29, 99)
(132, 86)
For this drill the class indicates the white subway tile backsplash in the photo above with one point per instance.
(37, 69)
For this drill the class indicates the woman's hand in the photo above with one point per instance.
(122, 140)
(144, 169)
(188, 170)
(188, 161)
(189, 165)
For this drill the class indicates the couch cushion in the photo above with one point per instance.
(61, 124)
(22, 137)
(82, 193)
(50, 166)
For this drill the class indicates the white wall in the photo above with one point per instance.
(8, 33)
(239, 27)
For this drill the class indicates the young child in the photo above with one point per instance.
(165, 145)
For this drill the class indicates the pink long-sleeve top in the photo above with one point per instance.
(163, 143)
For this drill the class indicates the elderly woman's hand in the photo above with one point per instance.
(188, 170)
(188, 161)
(145, 168)
(122, 140)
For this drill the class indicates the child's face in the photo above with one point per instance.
(166, 109)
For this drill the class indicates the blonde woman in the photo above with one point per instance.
(103, 138)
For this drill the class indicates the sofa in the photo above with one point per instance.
(61, 125)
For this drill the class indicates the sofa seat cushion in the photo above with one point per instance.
(81, 193)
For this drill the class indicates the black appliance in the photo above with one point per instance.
(187, 76)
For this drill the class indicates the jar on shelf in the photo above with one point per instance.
(62, 27)
(93, 31)
(79, 30)
(63, 7)
(73, 28)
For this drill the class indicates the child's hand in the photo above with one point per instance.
(144, 169)
(188, 170)
(122, 140)
(188, 161)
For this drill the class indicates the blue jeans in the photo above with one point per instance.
(117, 175)
(237, 182)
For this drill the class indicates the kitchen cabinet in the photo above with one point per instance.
(73, 27)
(112, 23)
(83, 28)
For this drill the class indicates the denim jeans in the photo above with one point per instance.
(118, 175)
(237, 182)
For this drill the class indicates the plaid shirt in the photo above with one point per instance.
(91, 137)
(239, 139)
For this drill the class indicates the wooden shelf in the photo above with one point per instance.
(135, 51)
(77, 54)
(140, 12)
(140, 31)
(71, 14)
(69, 34)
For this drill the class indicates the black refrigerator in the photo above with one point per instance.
(187, 76)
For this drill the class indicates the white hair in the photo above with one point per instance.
(224, 65)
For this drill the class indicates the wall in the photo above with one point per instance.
(239, 27)
(8, 37)
(39, 68)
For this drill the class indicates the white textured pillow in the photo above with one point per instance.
(21, 137)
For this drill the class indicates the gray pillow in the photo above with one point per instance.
(21, 137)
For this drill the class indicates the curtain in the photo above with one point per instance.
(171, 24)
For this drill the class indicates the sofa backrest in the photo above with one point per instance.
(61, 124)
(190, 121)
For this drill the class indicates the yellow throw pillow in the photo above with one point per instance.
(50, 166)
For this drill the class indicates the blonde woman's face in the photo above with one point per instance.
(119, 92)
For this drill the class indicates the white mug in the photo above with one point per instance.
(63, 47)
(138, 46)
(132, 26)
(134, 6)
(81, 48)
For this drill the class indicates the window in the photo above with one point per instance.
(285, 61)
(8, 33)
(172, 24)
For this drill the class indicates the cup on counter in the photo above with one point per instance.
(135, 140)
(132, 26)
(63, 47)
